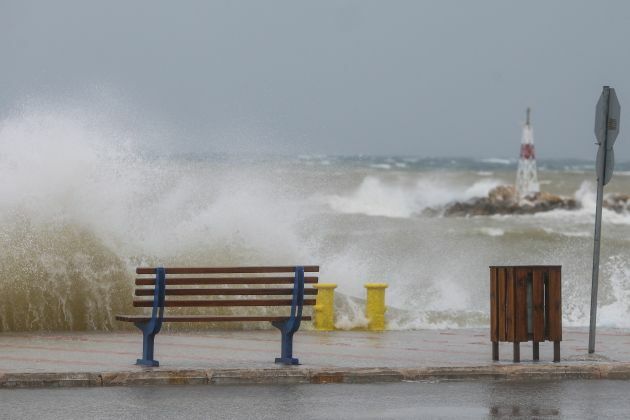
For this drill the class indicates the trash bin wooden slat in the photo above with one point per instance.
(520, 305)
(502, 296)
(525, 304)
(494, 320)
(554, 306)
(538, 295)
(510, 310)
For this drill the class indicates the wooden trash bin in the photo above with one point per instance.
(525, 304)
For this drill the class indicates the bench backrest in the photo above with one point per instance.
(209, 287)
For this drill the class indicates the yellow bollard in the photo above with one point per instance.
(375, 306)
(325, 306)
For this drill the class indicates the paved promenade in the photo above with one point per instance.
(96, 359)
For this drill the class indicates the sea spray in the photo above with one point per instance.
(81, 206)
(402, 198)
(58, 276)
(81, 210)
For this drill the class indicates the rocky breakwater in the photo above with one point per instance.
(502, 200)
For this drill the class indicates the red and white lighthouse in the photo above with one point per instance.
(526, 175)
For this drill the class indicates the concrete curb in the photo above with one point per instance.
(303, 375)
(49, 380)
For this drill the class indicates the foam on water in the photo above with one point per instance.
(615, 301)
(585, 195)
(385, 166)
(375, 197)
(492, 231)
(613, 296)
(498, 161)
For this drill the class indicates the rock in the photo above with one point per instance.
(617, 202)
(502, 200)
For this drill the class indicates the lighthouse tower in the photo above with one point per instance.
(526, 175)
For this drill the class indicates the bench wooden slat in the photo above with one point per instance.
(205, 318)
(188, 281)
(225, 270)
(222, 302)
(219, 292)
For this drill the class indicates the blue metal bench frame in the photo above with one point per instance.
(287, 328)
(290, 326)
(152, 327)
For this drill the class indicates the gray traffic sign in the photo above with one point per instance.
(607, 115)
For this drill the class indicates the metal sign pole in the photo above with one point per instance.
(595, 283)
(607, 115)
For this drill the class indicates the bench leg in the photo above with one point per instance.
(286, 350)
(148, 340)
(286, 353)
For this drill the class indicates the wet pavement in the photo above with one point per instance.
(539, 399)
(105, 352)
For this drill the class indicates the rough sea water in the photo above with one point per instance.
(80, 208)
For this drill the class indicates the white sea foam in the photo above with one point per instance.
(492, 231)
(381, 166)
(568, 233)
(585, 196)
(375, 197)
(478, 189)
(498, 161)
(613, 297)
(352, 315)
(614, 305)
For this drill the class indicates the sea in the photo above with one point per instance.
(80, 209)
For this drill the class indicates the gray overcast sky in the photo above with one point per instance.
(427, 78)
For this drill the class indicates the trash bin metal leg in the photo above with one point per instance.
(495, 351)
(536, 350)
(517, 352)
(556, 351)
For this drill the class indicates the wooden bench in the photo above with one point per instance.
(229, 287)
